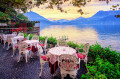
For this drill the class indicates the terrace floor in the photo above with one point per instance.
(11, 69)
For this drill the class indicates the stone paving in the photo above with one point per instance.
(11, 69)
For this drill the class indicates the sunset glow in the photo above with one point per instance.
(89, 10)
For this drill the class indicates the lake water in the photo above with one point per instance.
(105, 34)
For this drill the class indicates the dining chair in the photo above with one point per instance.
(1, 37)
(83, 55)
(43, 58)
(45, 45)
(14, 33)
(20, 34)
(24, 49)
(61, 42)
(68, 64)
(14, 45)
(9, 41)
(4, 39)
(35, 37)
(28, 37)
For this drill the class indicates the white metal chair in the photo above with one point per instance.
(20, 34)
(9, 41)
(83, 55)
(43, 58)
(14, 45)
(23, 49)
(28, 37)
(4, 39)
(68, 64)
(45, 45)
(61, 42)
(35, 37)
(1, 37)
(14, 33)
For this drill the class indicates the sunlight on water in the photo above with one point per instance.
(82, 35)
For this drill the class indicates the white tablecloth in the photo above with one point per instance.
(13, 35)
(57, 51)
(10, 35)
(32, 42)
(20, 38)
(62, 50)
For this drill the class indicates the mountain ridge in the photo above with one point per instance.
(101, 17)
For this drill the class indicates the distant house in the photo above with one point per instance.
(10, 26)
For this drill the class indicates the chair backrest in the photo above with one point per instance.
(1, 35)
(9, 38)
(14, 41)
(35, 37)
(20, 34)
(61, 42)
(28, 37)
(68, 62)
(14, 33)
(86, 48)
(22, 46)
(40, 50)
(45, 44)
(4, 37)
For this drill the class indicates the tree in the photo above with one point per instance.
(4, 16)
(25, 5)
(20, 16)
(116, 7)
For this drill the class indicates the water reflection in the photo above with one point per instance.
(79, 35)
(105, 35)
(113, 40)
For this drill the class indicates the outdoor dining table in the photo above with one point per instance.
(19, 38)
(33, 44)
(10, 35)
(55, 52)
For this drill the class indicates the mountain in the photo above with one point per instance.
(101, 18)
(32, 16)
(102, 14)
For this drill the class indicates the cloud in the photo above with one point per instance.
(90, 9)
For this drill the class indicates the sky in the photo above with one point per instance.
(89, 10)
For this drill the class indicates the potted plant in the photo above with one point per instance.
(52, 41)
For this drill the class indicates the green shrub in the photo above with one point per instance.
(72, 44)
(42, 38)
(31, 35)
(25, 35)
(93, 73)
(29, 28)
(52, 40)
(102, 69)
(104, 53)
(17, 24)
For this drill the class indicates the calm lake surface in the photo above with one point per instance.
(103, 34)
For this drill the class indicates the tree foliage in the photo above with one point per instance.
(25, 5)
(20, 16)
(116, 7)
(4, 16)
